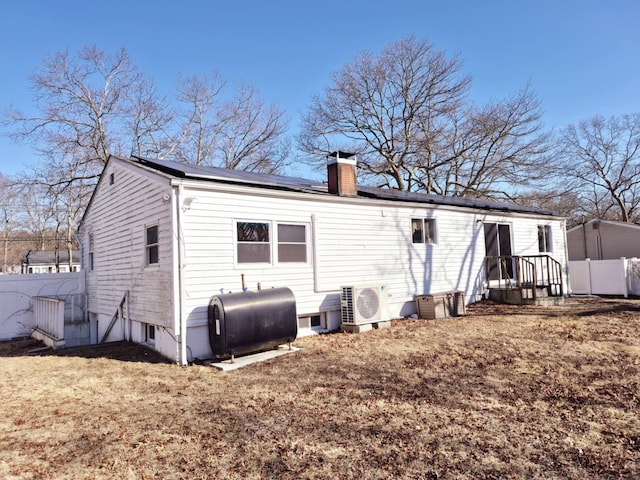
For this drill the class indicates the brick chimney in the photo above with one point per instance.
(341, 173)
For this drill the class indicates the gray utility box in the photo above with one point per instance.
(440, 305)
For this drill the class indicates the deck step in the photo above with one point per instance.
(525, 296)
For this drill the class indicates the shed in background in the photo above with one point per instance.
(603, 240)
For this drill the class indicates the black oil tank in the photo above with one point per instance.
(247, 322)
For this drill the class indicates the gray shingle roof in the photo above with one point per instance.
(48, 257)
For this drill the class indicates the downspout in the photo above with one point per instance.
(83, 276)
(179, 250)
(314, 250)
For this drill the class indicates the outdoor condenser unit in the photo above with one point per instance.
(363, 304)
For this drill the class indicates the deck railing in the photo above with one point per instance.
(525, 272)
(49, 319)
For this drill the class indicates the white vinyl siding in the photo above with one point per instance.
(349, 242)
(118, 226)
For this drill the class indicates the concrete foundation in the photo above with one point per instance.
(364, 327)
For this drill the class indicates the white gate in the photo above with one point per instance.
(633, 276)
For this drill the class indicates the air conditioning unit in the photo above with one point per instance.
(363, 304)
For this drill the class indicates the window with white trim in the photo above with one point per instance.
(423, 230)
(292, 243)
(544, 238)
(152, 254)
(90, 253)
(269, 243)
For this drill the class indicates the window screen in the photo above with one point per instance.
(253, 242)
(423, 230)
(292, 243)
(544, 238)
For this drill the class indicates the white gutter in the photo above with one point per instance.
(83, 277)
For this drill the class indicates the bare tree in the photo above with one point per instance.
(87, 106)
(405, 112)
(387, 108)
(201, 125)
(150, 123)
(602, 156)
(95, 104)
(497, 150)
(66, 211)
(9, 216)
(240, 133)
(560, 200)
(252, 134)
(39, 210)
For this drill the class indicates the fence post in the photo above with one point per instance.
(625, 277)
(59, 320)
(588, 260)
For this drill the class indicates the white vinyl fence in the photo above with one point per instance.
(17, 304)
(605, 277)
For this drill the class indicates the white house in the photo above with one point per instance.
(50, 261)
(159, 239)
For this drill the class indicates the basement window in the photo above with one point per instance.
(149, 334)
(315, 322)
(544, 238)
(423, 230)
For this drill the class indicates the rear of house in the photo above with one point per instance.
(159, 239)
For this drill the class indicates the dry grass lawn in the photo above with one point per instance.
(505, 392)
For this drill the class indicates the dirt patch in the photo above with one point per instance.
(504, 392)
(123, 351)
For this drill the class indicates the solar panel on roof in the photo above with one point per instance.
(208, 172)
(305, 185)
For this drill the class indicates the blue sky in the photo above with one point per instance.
(579, 56)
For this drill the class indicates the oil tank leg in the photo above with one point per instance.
(233, 358)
